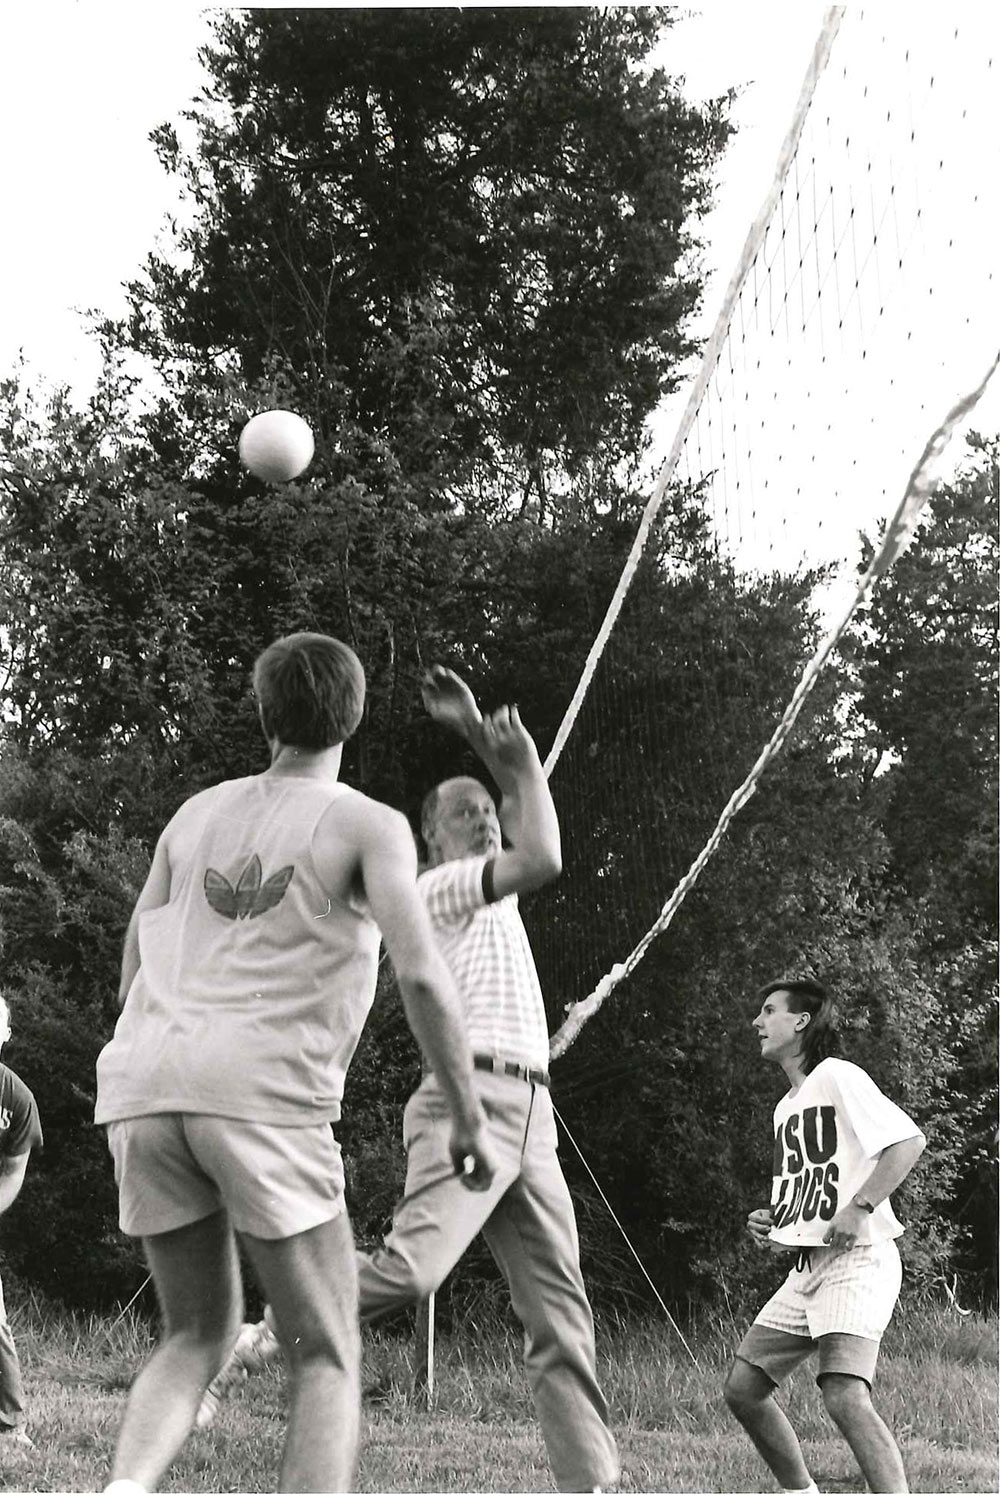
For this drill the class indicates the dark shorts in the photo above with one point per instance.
(778, 1353)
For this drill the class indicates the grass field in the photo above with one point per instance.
(937, 1389)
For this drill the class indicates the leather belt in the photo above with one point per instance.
(515, 1070)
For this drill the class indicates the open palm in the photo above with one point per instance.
(450, 701)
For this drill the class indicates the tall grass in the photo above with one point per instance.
(937, 1388)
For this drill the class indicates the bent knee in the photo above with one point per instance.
(209, 1322)
(210, 1344)
(341, 1351)
(422, 1280)
(390, 1279)
(844, 1395)
(746, 1387)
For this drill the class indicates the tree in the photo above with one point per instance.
(463, 236)
(459, 242)
(925, 657)
(408, 225)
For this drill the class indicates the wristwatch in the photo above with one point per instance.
(863, 1203)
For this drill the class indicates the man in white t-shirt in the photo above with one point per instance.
(840, 1149)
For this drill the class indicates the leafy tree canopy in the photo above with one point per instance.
(464, 236)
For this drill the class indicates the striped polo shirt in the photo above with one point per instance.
(487, 951)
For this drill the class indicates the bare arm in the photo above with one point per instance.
(430, 999)
(891, 1168)
(12, 1170)
(527, 813)
(155, 893)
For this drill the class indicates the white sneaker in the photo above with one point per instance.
(17, 1437)
(255, 1346)
(228, 1376)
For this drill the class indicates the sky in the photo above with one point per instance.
(82, 85)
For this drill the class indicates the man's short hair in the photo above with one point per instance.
(311, 691)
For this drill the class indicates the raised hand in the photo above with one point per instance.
(505, 744)
(450, 701)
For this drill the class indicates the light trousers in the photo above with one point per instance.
(11, 1390)
(527, 1219)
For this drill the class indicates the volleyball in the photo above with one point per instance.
(276, 445)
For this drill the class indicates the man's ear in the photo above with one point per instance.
(802, 1020)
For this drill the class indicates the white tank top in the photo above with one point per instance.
(254, 984)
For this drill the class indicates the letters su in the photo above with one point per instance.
(803, 1148)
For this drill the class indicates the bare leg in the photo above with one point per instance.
(197, 1279)
(310, 1283)
(750, 1397)
(848, 1400)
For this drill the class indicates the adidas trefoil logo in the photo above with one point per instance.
(248, 899)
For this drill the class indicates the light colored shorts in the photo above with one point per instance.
(273, 1181)
(839, 1302)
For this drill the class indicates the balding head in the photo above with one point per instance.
(459, 818)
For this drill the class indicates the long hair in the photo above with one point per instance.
(821, 1038)
(311, 691)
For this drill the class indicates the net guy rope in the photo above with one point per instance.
(628, 1242)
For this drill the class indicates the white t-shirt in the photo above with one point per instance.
(487, 951)
(827, 1136)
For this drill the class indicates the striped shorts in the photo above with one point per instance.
(848, 1291)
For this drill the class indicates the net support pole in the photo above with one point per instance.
(423, 1354)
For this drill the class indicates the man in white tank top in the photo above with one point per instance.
(248, 971)
(526, 1216)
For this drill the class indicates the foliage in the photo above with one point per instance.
(463, 236)
(925, 659)
(936, 1389)
(461, 242)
